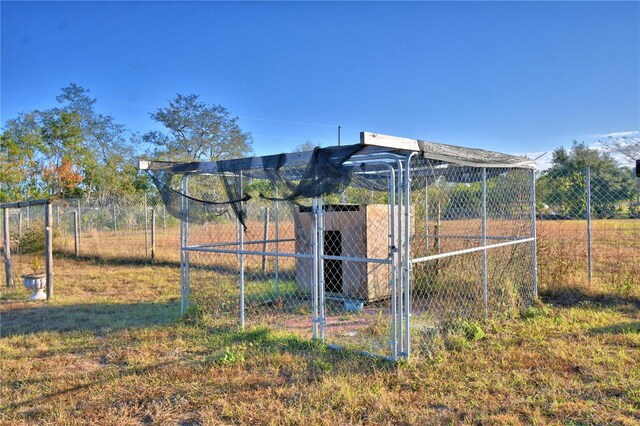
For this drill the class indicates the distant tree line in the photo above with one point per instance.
(561, 189)
(71, 150)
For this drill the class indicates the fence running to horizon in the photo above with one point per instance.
(589, 241)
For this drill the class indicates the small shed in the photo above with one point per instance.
(356, 231)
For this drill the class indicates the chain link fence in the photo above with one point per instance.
(26, 226)
(588, 239)
(588, 235)
(132, 228)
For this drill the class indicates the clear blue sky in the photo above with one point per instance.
(513, 77)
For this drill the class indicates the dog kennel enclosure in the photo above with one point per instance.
(377, 246)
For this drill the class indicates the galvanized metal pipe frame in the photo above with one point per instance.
(485, 287)
(241, 257)
(534, 235)
(399, 258)
(588, 190)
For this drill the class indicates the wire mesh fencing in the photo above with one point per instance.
(589, 235)
(131, 228)
(407, 250)
(26, 226)
(408, 246)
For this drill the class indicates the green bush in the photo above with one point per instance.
(472, 330)
(32, 241)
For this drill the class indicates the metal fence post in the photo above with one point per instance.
(407, 257)
(426, 217)
(534, 234)
(277, 236)
(400, 282)
(266, 236)
(485, 288)
(588, 190)
(7, 248)
(316, 253)
(48, 237)
(241, 256)
(146, 228)
(76, 233)
(321, 285)
(115, 222)
(182, 246)
(153, 235)
(187, 257)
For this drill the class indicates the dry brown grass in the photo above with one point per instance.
(109, 350)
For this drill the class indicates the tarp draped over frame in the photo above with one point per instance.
(323, 174)
(473, 157)
(298, 176)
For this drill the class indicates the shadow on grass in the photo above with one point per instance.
(123, 373)
(624, 328)
(318, 354)
(318, 361)
(570, 296)
(95, 317)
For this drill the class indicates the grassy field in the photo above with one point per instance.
(110, 349)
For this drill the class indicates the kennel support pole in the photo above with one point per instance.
(19, 224)
(146, 227)
(314, 250)
(266, 236)
(153, 235)
(7, 247)
(534, 234)
(399, 259)
(277, 248)
(48, 239)
(407, 257)
(485, 288)
(321, 258)
(182, 252)
(426, 216)
(588, 190)
(187, 257)
(392, 258)
(241, 256)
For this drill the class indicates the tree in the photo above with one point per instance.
(35, 142)
(306, 146)
(68, 150)
(112, 170)
(563, 186)
(197, 131)
(20, 145)
(625, 145)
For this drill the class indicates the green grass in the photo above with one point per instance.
(110, 349)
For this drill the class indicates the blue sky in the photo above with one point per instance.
(513, 77)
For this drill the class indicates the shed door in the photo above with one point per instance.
(332, 267)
